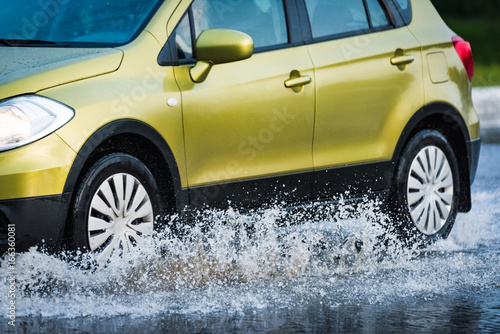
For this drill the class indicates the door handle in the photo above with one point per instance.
(402, 60)
(300, 81)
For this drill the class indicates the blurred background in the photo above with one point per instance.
(477, 21)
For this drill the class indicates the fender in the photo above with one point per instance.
(122, 127)
(448, 114)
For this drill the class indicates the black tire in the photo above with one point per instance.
(425, 194)
(115, 206)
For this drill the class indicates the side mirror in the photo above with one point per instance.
(219, 46)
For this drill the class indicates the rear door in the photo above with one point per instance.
(369, 82)
(248, 137)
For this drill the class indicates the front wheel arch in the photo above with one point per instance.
(116, 205)
(132, 137)
(139, 140)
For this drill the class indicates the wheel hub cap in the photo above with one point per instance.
(430, 190)
(121, 215)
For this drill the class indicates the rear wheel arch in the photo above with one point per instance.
(425, 199)
(445, 119)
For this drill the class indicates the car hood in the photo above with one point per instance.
(26, 70)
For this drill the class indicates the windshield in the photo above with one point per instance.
(73, 22)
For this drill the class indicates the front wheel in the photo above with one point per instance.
(425, 194)
(115, 207)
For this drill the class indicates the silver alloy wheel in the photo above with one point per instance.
(120, 215)
(430, 190)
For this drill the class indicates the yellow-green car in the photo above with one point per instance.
(114, 114)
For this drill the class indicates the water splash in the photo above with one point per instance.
(228, 261)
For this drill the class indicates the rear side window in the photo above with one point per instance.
(378, 15)
(338, 17)
(404, 7)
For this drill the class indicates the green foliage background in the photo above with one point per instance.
(477, 21)
(468, 8)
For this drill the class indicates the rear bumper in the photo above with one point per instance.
(33, 221)
(473, 150)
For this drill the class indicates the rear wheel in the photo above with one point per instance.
(425, 196)
(115, 207)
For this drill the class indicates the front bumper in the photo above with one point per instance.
(35, 221)
(32, 180)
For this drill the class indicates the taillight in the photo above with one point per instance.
(465, 53)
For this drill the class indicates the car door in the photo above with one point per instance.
(248, 137)
(369, 83)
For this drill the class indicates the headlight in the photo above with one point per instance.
(26, 119)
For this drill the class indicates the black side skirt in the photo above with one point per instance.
(290, 190)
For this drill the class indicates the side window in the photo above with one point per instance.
(336, 17)
(404, 7)
(378, 15)
(183, 38)
(263, 20)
